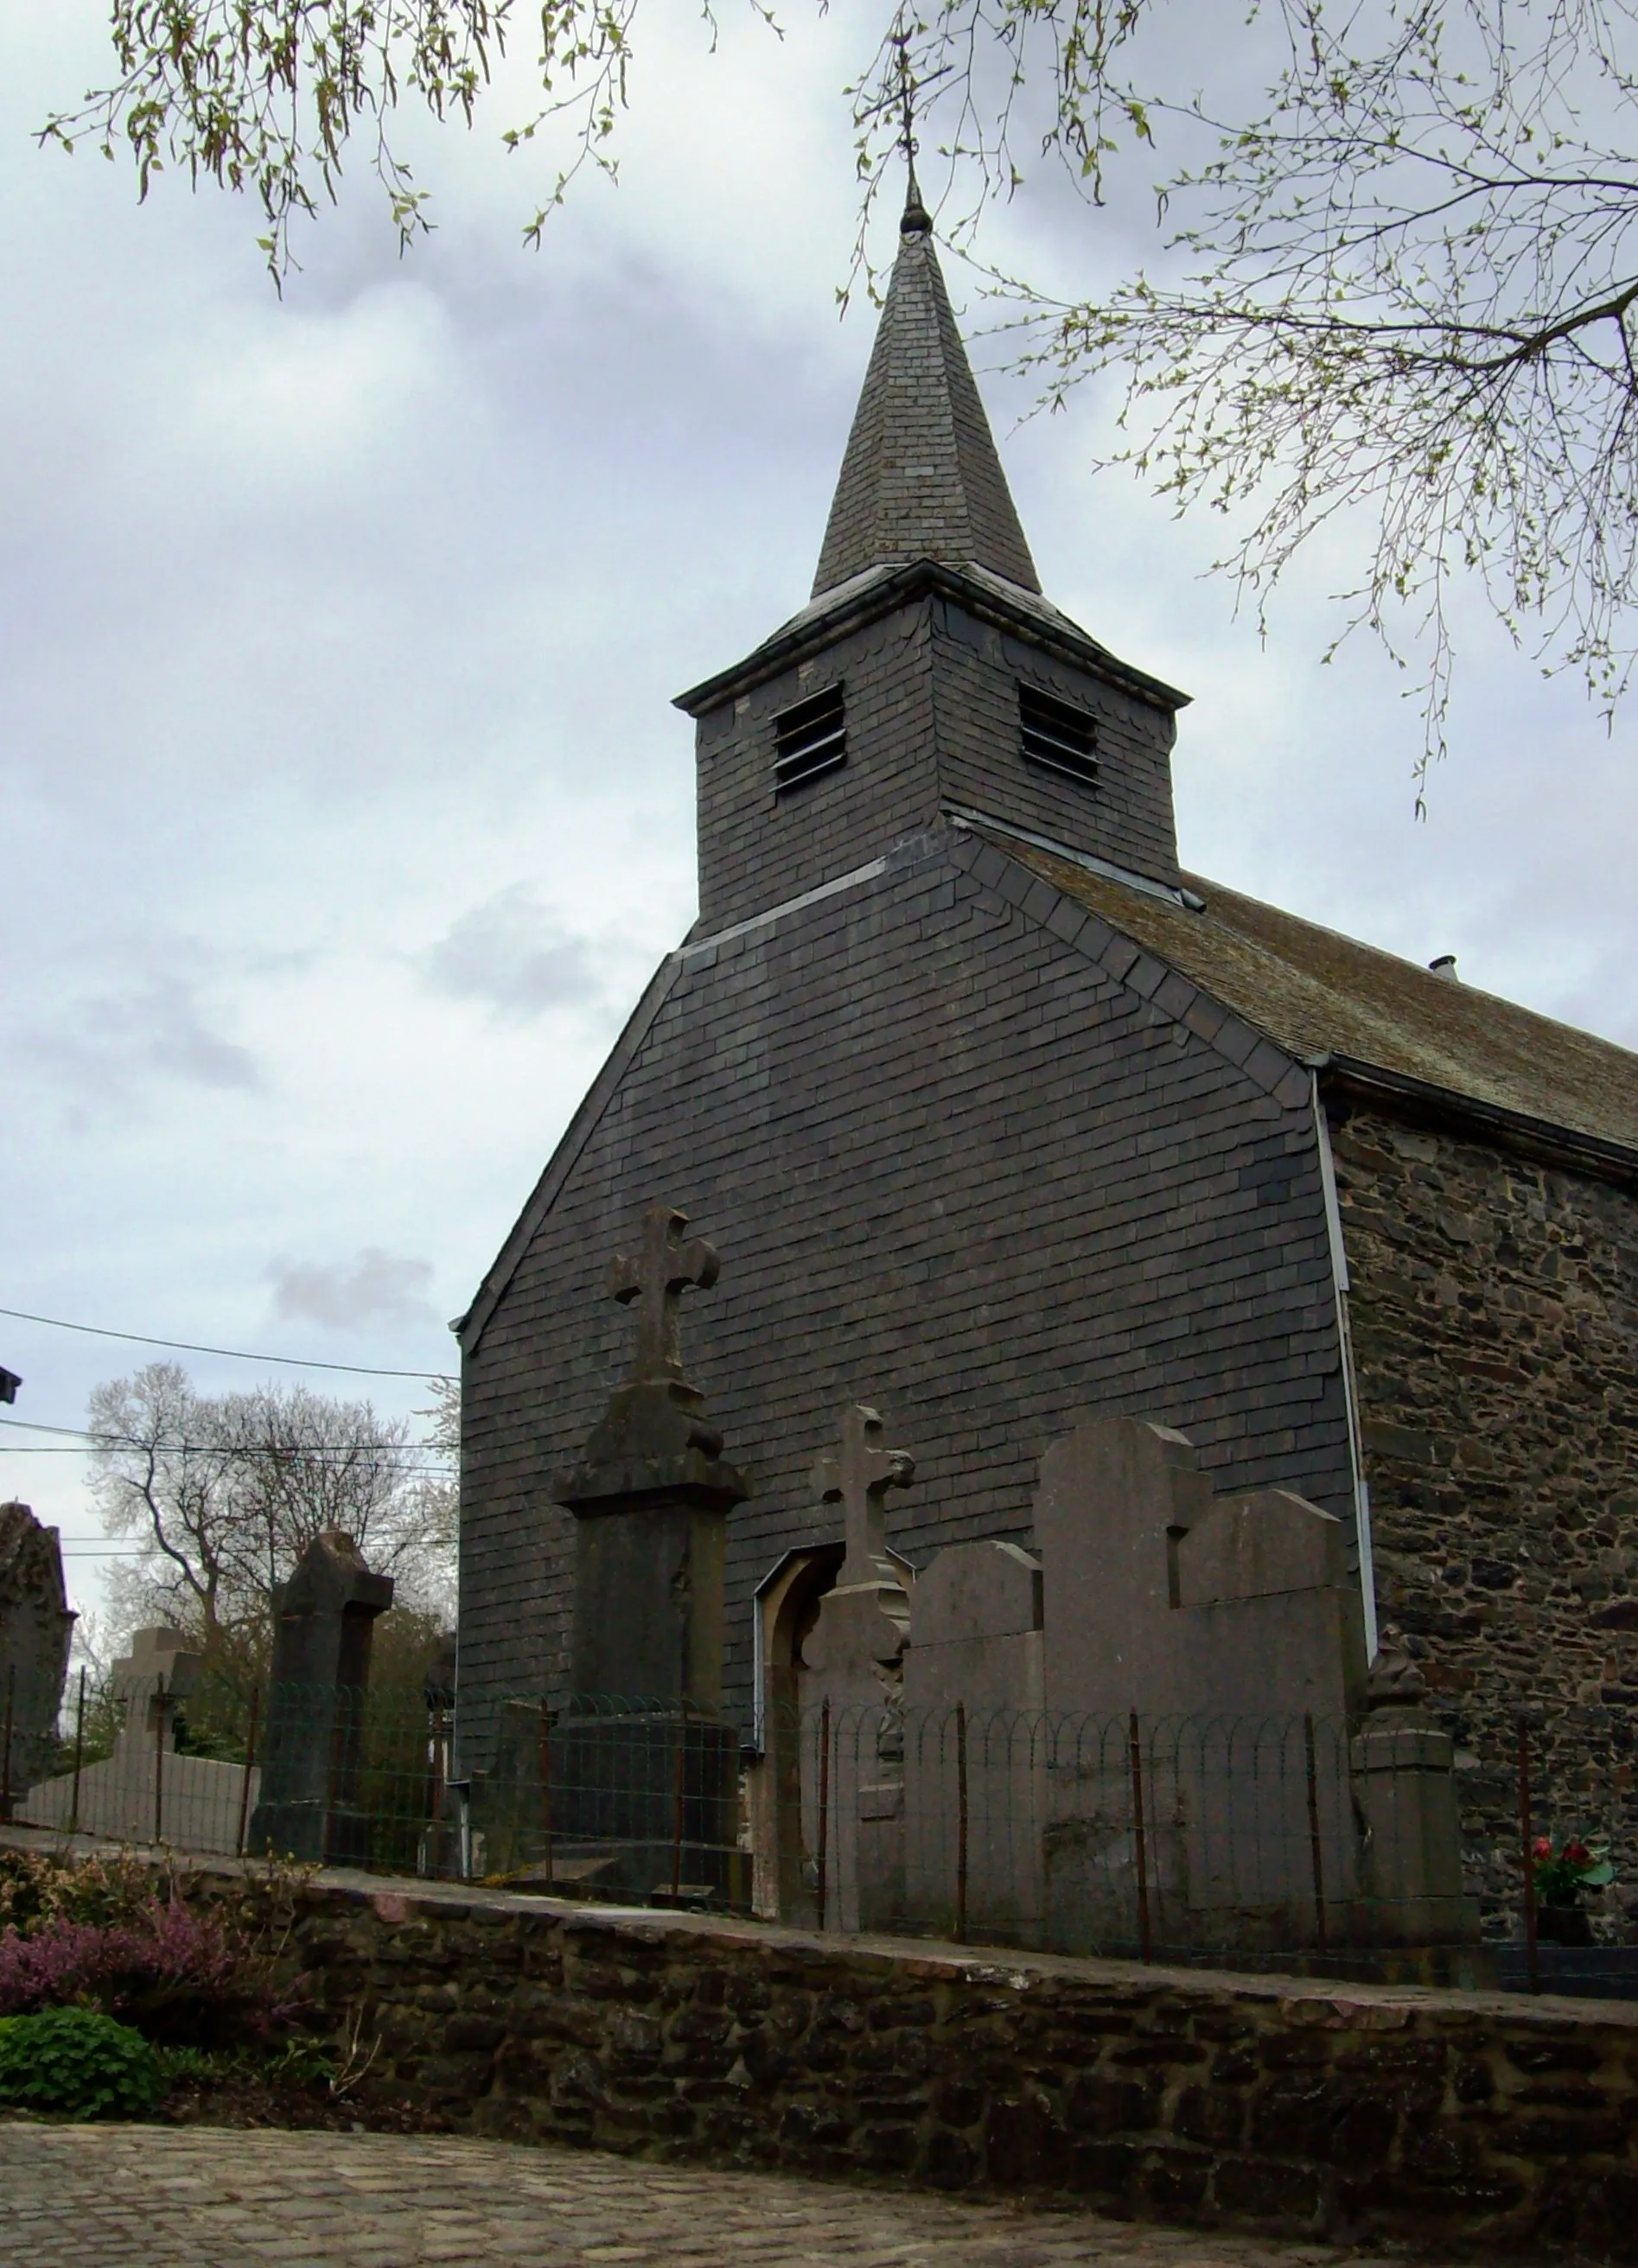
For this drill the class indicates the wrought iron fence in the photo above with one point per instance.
(1275, 1843)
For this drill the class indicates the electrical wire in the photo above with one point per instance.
(383, 1450)
(235, 1354)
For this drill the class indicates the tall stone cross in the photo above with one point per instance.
(859, 1477)
(656, 1277)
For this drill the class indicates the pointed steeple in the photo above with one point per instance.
(921, 479)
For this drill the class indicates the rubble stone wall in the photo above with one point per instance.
(1268, 2104)
(1493, 1309)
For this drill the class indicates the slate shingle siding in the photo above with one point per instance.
(1125, 818)
(1495, 1321)
(931, 714)
(955, 1166)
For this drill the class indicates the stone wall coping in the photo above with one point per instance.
(1319, 2001)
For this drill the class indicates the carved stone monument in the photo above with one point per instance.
(314, 1750)
(644, 1773)
(35, 1628)
(853, 1762)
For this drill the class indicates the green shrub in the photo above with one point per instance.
(78, 2061)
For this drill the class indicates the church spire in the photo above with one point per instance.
(921, 479)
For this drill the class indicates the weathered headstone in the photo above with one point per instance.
(146, 1792)
(976, 1743)
(643, 1770)
(35, 1628)
(313, 1752)
(852, 1765)
(1229, 1629)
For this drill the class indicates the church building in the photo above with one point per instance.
(994, 1115)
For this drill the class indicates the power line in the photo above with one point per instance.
(235, 1354)
(228, 1450)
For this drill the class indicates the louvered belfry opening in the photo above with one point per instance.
(808, 738)
(1056, 734)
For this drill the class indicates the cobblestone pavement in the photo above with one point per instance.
(137, 2196)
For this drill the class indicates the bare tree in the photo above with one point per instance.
(1397, 285)
(224, 1493)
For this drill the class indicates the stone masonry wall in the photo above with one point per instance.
(1494, 1318)
(1358, 2110)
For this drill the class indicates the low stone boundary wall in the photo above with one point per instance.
(1284, 2104)
(1273, 2103)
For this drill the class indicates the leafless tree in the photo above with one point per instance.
(224, 1492)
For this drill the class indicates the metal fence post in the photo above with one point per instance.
(1135, 1740)
(79, 1751)
(1532, 1958)
(158, 1760)
(824, 1802)
(250, 1762)
(678, 1782)
(961, 1823)
(546, 1862)
(1316, 1848)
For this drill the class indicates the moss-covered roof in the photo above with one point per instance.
(1320, 994)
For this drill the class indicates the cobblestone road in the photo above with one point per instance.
(135, 2196)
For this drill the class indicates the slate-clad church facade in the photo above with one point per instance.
(993, 1114)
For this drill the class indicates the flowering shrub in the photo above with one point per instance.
(1562, 1876)
(80, 2061)
(99, 1936)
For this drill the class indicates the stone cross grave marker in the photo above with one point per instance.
(852, 1657)
(859, 1476)
(161, 1669)
(644, 1770)
(654, 1277)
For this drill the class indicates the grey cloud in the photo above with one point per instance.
(373, 1286)
(112, 1042)
(511, 953)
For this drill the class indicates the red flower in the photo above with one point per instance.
(1544, 1848)
(1577, 1853)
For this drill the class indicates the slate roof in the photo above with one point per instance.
(920, 478)
(1320, 995)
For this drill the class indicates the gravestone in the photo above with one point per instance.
(35, 1628)
(643, 1772)
(146, 1792)
(313, 1755)
(976, 1744)
(1223, 1625)
(853, 1774)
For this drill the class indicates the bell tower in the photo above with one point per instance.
(927, 673)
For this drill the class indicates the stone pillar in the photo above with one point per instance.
(35, 1628)
(645, 1775)
(313, 1752)
(1405, 1785)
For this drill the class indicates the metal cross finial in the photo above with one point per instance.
(656, 1277)
(860, 1477)
(917, 220)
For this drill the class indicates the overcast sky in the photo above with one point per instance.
(346, 812)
